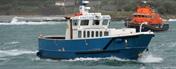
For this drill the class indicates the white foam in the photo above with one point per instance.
(172, 44)
(145, 59)
(33, 23)
(118, 59)
(15, 52)
(83, 59)
(143, 67)
(150, 59)
(11, 43)
(97, 59)
(35, 59)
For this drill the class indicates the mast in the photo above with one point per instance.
(82, 8)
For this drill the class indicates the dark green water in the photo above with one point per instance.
(18, 46)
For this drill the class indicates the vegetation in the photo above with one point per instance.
(117, 8)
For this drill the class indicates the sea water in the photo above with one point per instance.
(18, 47)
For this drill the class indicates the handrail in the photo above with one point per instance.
(142, 25)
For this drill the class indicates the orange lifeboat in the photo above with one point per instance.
(145, 14)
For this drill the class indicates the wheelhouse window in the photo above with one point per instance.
(137, 16)
(84, 22)
(105, 22)
(96, 22)
(75, 22)
(79, 34)
(92, 33)
(84, 34)
(106, 33)
(88, 33)
(146, 16)
(100, 33)
(96, 33)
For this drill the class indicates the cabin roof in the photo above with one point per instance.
(92, 16)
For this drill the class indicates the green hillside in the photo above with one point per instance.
(116, 8)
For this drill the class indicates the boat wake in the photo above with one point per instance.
(96, 59)
(149, 58)
(145, 59)
(15, 52)
(83, 59)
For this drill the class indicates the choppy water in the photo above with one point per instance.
(18, 46)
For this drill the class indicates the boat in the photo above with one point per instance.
(148, 18)
(88, 36)
(33, 20)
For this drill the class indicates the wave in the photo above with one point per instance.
(171, 44)
(11, 43)
(149, 58)
(3, 59)
(33, 23)
(15, 52)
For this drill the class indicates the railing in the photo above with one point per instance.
(142, 25)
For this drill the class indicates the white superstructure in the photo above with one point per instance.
(93, 25)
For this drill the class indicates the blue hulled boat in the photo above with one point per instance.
(88, 35)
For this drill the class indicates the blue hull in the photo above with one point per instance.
(128, 47)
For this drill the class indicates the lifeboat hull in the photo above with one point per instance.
(147, 27)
